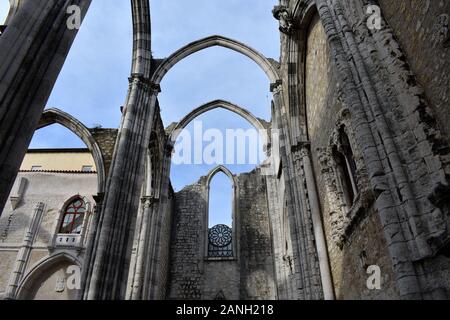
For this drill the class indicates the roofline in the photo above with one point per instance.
(60, 150)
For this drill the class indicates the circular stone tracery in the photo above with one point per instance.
(220, 235)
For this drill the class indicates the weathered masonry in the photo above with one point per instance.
(358, 176)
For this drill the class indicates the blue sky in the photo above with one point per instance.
(4, 5)
(93, 83)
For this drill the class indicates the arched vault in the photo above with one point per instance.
(212, 41)
(214, 105)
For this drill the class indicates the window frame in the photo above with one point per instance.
(235, 224)
(74, 214)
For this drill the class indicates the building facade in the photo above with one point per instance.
(355, 185)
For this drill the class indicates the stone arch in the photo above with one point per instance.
(40, 268)
(214, 105)
(222, 169)
(56, 116)
(213, 41)
(303, 13)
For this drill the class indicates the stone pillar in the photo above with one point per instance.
(322, 252)
(144, 248)
(122, 196)
(111, 260)
(24, 252)
(152, 288)
(33, 49)
(91, 244)
(305, 255)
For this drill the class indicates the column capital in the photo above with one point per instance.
(138, 78)
(276, 86)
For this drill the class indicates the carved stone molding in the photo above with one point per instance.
(282, 14)
(343, 218)
(139, 79)
(276, 87)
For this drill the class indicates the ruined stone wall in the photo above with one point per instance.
(163, 270)
(365, 237)
(187, 254)
(421, 27)
(255, 241)
(106, 139)
(248, 275)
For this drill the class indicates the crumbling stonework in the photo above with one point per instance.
(106, 139)
(249, 273)
(358, 177)
(421, 28)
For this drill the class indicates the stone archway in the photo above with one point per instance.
(56, 116)
(196, 46)
(254, 121)
(42, 274)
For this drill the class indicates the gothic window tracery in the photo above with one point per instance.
(73, 218)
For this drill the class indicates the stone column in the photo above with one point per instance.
(153, 285)
(322, 253)
(91, 245)
(144, 248)
(33, 49)
(305, 255)
(24, 252)
(122, 196)
(110, 263)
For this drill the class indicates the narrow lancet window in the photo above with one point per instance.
(220, 216)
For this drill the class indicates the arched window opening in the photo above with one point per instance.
(73, 218)
(346, 168)
(220, 216)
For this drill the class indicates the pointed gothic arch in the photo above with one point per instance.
(234, 210)
(222, 169)
(56, 116)
(254, 121)
(41, 267)
(212, 41)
